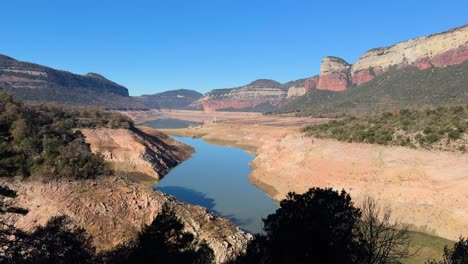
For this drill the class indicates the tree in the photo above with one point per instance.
(456, 255)
(57, 243)
(163, 241)
(381, 241)
(315, 227)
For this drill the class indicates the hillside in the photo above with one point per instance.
(440, 129)
(397, 88)
(175, 99)
(33, 82)
(258, 96)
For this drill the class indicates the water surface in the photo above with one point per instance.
(170, 123)
(216, 178)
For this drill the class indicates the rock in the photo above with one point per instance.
(334, 74)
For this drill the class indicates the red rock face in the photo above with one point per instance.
(311, 83)
(362, 77)
(424, 64)
(333, 82)
(451, 57)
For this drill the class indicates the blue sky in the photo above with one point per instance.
(153, 46)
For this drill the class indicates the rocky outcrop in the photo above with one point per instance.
(254, 96)
(141, 151)
(295, 91)
(113, 210)
(334, 74)
(311, 83)
(438, 50)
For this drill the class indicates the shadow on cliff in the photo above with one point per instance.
(198, 198)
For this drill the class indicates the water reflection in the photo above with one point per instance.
(216, 178)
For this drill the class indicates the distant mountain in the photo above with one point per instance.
(426, 71)
(33, 82)
(260, 96)
(175, 99)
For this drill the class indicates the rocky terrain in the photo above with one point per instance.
(437, 50)
(175, 99)
(33, 82)
(134, 152)
(113, 209)
(260, 95)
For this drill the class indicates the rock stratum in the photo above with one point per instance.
(113, 209)
(260, 95)
(34, 82)
(437, 50)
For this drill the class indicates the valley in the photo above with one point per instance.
(398, 177)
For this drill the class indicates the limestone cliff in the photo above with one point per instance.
(334, 74)
(437, 50)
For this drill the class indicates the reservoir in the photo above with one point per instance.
(170, 123)
(216, 178)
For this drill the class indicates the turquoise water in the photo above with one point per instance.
(216, 178)
(170, 123)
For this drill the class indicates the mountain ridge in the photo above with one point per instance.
(34, 82)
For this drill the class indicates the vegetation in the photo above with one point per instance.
(443, 128)
(59, 242)
(456, 255)
(408, 88)
(163, 241)
(45, 140)
(323, 226)
(176, 99)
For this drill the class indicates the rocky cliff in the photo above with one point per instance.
(33, 82)
(141, 151)
(437, 50)
(259, 95)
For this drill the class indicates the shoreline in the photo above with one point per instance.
(423, 188)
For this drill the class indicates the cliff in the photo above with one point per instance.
(33, 82)
(259, 95)
(141, 151)
(437, 50)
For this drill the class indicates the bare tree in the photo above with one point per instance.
(382, 240)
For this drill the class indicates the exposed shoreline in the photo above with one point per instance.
(423, 188)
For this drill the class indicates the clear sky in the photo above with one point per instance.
(153, 46)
